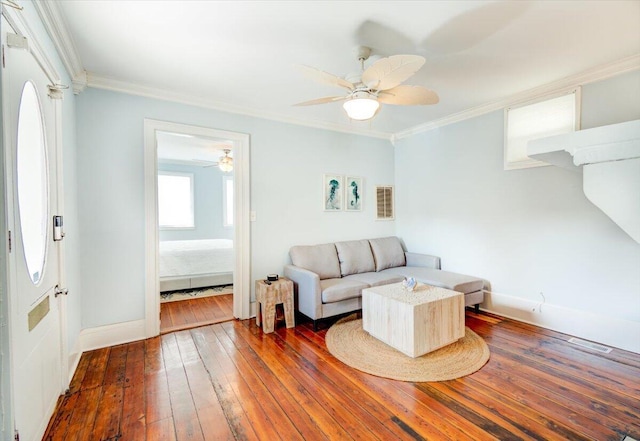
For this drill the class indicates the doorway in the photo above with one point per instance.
(238, 145)
(196, 230)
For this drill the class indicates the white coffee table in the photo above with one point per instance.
(415, 323)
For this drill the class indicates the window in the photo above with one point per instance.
(227, 201)
(32, 181)
(175, 200)
(538, 120)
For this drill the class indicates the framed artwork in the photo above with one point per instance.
(332, 192)
(353, 193)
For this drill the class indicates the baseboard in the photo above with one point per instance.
(110, 335)
(610, 331)
(74, 359)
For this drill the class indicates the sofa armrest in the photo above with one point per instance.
(307, 286)
(417, 259)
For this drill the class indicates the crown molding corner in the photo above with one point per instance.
(79, 83)
(597, 73)
(53, 20)
(100, 82)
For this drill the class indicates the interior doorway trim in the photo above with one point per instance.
(242, 245)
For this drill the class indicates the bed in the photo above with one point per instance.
(190, 264)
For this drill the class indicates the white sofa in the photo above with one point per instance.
(329, 278)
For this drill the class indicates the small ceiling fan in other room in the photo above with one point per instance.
(225, 163)
(379, 83)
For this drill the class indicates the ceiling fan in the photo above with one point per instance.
(379, 83)
(225, 163)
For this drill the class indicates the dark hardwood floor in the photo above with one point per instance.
(230, 380)
(192, 313)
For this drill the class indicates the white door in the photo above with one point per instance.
(30, 164)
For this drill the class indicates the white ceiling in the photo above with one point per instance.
(240, 55)
(184, 149)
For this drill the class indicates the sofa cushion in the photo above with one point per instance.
(335, 290)
(355, 257)
(387, 252)
(439, 278)
(375, 279)
(321, 259)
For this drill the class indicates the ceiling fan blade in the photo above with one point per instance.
(408, 96)
(327, 99)
(324, 77)
(390, 72)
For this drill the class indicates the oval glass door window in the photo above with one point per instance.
(32, 181)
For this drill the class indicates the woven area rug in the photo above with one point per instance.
(352, 345)
(197, 293)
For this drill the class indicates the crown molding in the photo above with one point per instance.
(592, 75)
(54, 23)
(19, 24)
(100, 82)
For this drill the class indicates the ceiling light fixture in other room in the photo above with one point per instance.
(226, 162)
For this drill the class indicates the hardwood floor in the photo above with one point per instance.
(230, 380)
(192, 313)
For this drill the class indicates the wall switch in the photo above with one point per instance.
(252, 216)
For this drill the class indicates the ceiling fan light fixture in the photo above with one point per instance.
(225, 163)
(361, 108)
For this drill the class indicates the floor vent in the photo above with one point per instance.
(589, 345)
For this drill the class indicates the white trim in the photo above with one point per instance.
(73, 361)
(18, 22)
(61, 245)
(610, 331)
(56, 27)
(596, 74)
(242, 245)
(152, 283)
(242, 228)
(100, 82)
(111, 335)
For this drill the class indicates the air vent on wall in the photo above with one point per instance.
(384, 203)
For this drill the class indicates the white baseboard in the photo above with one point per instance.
(110, 335)
(610, 331)
(74, 359)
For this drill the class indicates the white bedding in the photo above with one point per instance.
(195, 257)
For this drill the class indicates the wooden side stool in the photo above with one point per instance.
(268, 296)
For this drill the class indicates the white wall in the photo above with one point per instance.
(525, 231)
(208, 200)
(287, 164)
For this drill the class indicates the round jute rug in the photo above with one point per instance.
(352, 345)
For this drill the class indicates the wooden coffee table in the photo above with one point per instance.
(415, 323)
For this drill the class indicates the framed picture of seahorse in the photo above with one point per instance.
(353, 193)
(332, 194)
